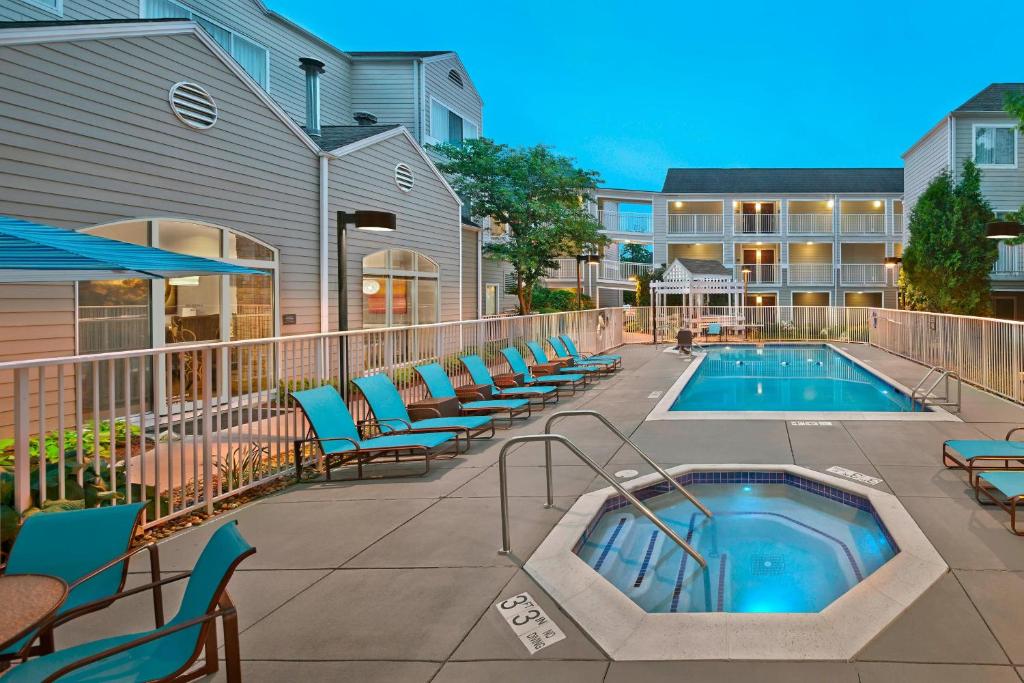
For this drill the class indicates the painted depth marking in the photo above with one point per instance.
(856, 476)
(655, 394)
(529, 622)
(803, 423)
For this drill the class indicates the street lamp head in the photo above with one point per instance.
(589, 258)
(1003, 230)
(373, 221)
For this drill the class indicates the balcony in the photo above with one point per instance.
(863, 273)
(695, 224)
(1010, 265)
(897, 224)
(760, 274)
(623, 271)
(810, 224)
(757, 224)
(626, 221)
(862, 224)
(565, 270)
(811, 273)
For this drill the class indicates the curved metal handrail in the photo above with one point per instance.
(626, 440)
(506, 541)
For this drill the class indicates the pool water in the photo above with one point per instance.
(770, 547)
(786, 378)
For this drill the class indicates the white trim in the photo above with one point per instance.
(57, 9)
(324, 270)
(387, 135)
(1016, 145)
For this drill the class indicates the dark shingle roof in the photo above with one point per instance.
(411, 54)
(703, 266)
(333, 137)
(991, 98)
(798, 180)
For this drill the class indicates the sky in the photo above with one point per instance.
(630, 89)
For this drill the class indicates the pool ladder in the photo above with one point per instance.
(926, 396)
(548, 438)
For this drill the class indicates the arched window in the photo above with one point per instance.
(126, 314)
(400, 287)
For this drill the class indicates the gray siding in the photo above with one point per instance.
(387, 89)
(929, 158)
(463, 101)
(19, 10)
(1003, 188)
(494, 271)
(86, 137)
(470, 259)
(428, 218)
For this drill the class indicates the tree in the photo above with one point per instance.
(1013, 102)
(540, 196)
(948, 259)
(557, 300)
(636, 253)
(643, 285)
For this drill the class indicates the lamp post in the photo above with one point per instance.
(746, 277)
(580, 260)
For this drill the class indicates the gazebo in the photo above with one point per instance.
(696, 280)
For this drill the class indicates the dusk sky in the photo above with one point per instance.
(631, 88)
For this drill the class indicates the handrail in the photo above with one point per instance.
(506, 541)
(626, 440)
(917, 387)
(925, 397)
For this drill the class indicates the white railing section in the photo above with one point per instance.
(810, 224)
(185, 427)
(566, 270)
(763, 274)
(862, 224)
(695, 224)
(811, 273)
(626, 221)
(1010, 265)
(756, 223)
(863, 273)
(897, 224)
(623, 271)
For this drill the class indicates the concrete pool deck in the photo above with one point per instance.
(397, 580)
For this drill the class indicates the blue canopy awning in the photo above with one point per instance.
(31, 252)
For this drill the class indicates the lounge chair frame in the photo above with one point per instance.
(615, 362)
(362, 456)
(513, 413)
(1009, 505)
(951, 462)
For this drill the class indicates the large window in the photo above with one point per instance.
(400, 287)
(995, 145)
(447, 126)
(52, 6)
(254, 58)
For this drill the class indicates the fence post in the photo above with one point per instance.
(22, 459)
(208, 428)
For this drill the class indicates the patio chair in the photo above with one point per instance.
(977, 454)
(169, 651)
(90, 550)
(1008, 483)
(440, 386)
(562, 353)
(335, 432)
(570, 346)
(481, 375)
(391, 415)
(541, 357)
(713, 330)
(563, 380)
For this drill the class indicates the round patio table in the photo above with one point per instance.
(28, 600)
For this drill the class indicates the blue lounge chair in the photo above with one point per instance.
(335, 432)
(1010, 484)
(976, 454)
(89, 550)
(440, 386)
(541, 358)
(481, 375)
(562, 353)
(168, 652)
(562, 380)
(713, 330)
(570, 346)
(391, 415)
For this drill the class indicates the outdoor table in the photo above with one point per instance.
(506, 380)
(27, 600)
(473, 392)
(428, 408)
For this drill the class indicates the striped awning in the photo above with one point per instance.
(31, 252)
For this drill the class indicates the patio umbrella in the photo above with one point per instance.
(31, 252)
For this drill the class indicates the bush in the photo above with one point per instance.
(557, 300)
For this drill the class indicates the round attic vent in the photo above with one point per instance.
(404, 178)
(193, 105)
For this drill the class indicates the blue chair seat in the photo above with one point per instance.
(429, 440)
(560, 378)
(570, 346)
(525, 391)
(465, 421)
(511, 404)
(1010, 484)
(970, 449)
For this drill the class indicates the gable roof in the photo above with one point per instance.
(333, 137)
(991, 98)
(783, 180)
(698, 266)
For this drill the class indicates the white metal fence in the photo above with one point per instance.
(622, 271)
(810, 224)
(811, 273)
(862, 224)
(695, 224)
(625, 221)
(863, 273)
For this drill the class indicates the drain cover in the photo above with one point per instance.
(767, 565)
(626, 474)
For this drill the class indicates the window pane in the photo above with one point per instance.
(983, 145)
(426, 302)
(375, 302)
(438, 122)
(190, 238)
(491, 300)
(401, 303)
(1004, 145)
(218, 33)
(164, 9)
(378, 259)
(244, 248)
(136, 232)
(425, 265)
(252, 306)
(469, 131)
(454, 127)
(402, 259)
(192, 309)
(113, 315)
(252, 57)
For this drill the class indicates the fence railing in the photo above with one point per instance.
(811, 273)
(897, 224)
(184, 427)
(810, 224)
(1010, 264)
(862, 224)
(757, 224)
(862, 273)
(565, 270)
(760, 273)
(695, 224)
(625, 221)
(623, 271)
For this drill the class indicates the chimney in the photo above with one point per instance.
(313, 69)
(364, 118)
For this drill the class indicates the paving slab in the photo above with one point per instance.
(907, 443)
(436, 484)
(713, 441)
(863, 468)
(386, 614)
(927, 481)
(334, 672)
(941, 626)
(966, 534)
(568, 480)
(518, 671)
(999, 596)
(725, 672)
(877, 672)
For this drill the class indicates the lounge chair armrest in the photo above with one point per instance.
(370, 421)
(1011, 432)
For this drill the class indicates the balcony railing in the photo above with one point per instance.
(1010, 265)
(810, 224)
(811, 273)
(695, 224)
(757, 224)
(897, 224)
(863, 273)
(565, 270)
(760, 274)
(614, 221)
(623, 271)
(862, 224)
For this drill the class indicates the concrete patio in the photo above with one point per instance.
(397, 580)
